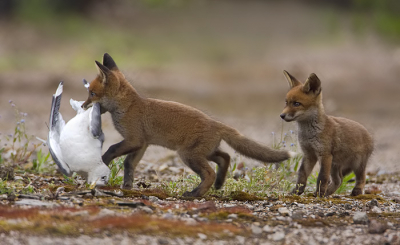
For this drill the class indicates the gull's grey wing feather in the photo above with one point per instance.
(95, 122)
(56, 125)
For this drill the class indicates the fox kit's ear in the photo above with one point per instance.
(313, 84)
(109, 62)
(293, 82)
(103, 72)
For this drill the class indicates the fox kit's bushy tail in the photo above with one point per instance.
(251, 148)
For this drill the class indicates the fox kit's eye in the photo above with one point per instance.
(92, 94)
(296, 104)
(285, 102)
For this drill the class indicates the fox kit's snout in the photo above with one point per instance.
(340, 145)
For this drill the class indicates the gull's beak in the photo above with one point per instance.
(93, 185)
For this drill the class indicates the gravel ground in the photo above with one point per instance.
(369, 219)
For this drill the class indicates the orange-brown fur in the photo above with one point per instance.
(340, 145)
(145, 121)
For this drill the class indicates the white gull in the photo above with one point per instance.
(76, 146)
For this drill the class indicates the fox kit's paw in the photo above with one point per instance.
(191, 194)
(356, 192)
(126, 186)
(296, 191)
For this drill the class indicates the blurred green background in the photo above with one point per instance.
(223, 57)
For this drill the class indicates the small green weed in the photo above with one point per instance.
(346, 185)
(18, 148)
(259, 181)
(42, 162)
(70, 180)
(4, 189)
(116, 166)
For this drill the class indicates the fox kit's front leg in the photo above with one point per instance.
(130, 164)
(122, 148)
(307, 164)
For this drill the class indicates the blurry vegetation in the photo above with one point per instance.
(21, 150)
(383, 15)
(86, 28)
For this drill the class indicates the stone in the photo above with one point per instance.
(267, 229)
(232, 216)
(376, 210)
(348, 206)
(34, 202)
(376, 227)
(240, 239)
(278, 236)
(105, 212)
(256, 230)
(373, 203)
(202, 236)
(284, 211)
(360, 218)
(297, 214)
(146, 209)
(153, 199)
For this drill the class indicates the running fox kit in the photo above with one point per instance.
(144, 121)
(339, 144)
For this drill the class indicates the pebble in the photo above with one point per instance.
(34, 202)
(376, 210)
(146, 209)
(373, 203)
(202, 236)
(298, 214)
(105, 212)
(153, 199)
(232, 216)
(348, 206)
(284, 211)
(376, 227)
(256, 230)
(278, 236)
(267, 229)
(360, 218)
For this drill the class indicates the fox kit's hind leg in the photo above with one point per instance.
(307, 164)
(336, 179)
(324, 176)
(130, 163)
(360, 179)
(222, 159)
(200, 166)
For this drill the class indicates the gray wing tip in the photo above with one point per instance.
(61, 167)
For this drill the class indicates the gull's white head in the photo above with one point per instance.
(99, 176)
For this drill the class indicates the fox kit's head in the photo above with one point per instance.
(302, 100)
(106, 84)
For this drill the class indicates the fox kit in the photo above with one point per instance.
(339, 144)
(144, 121)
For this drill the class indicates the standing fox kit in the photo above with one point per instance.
(339, 144)
(144, 121)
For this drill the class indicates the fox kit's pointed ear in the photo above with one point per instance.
(293, 82)
(313, 84)
(109, 62)
(103, 72)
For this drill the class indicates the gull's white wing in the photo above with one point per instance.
(56, 125)
(77, 105)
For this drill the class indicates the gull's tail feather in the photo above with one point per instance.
(56, 125)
